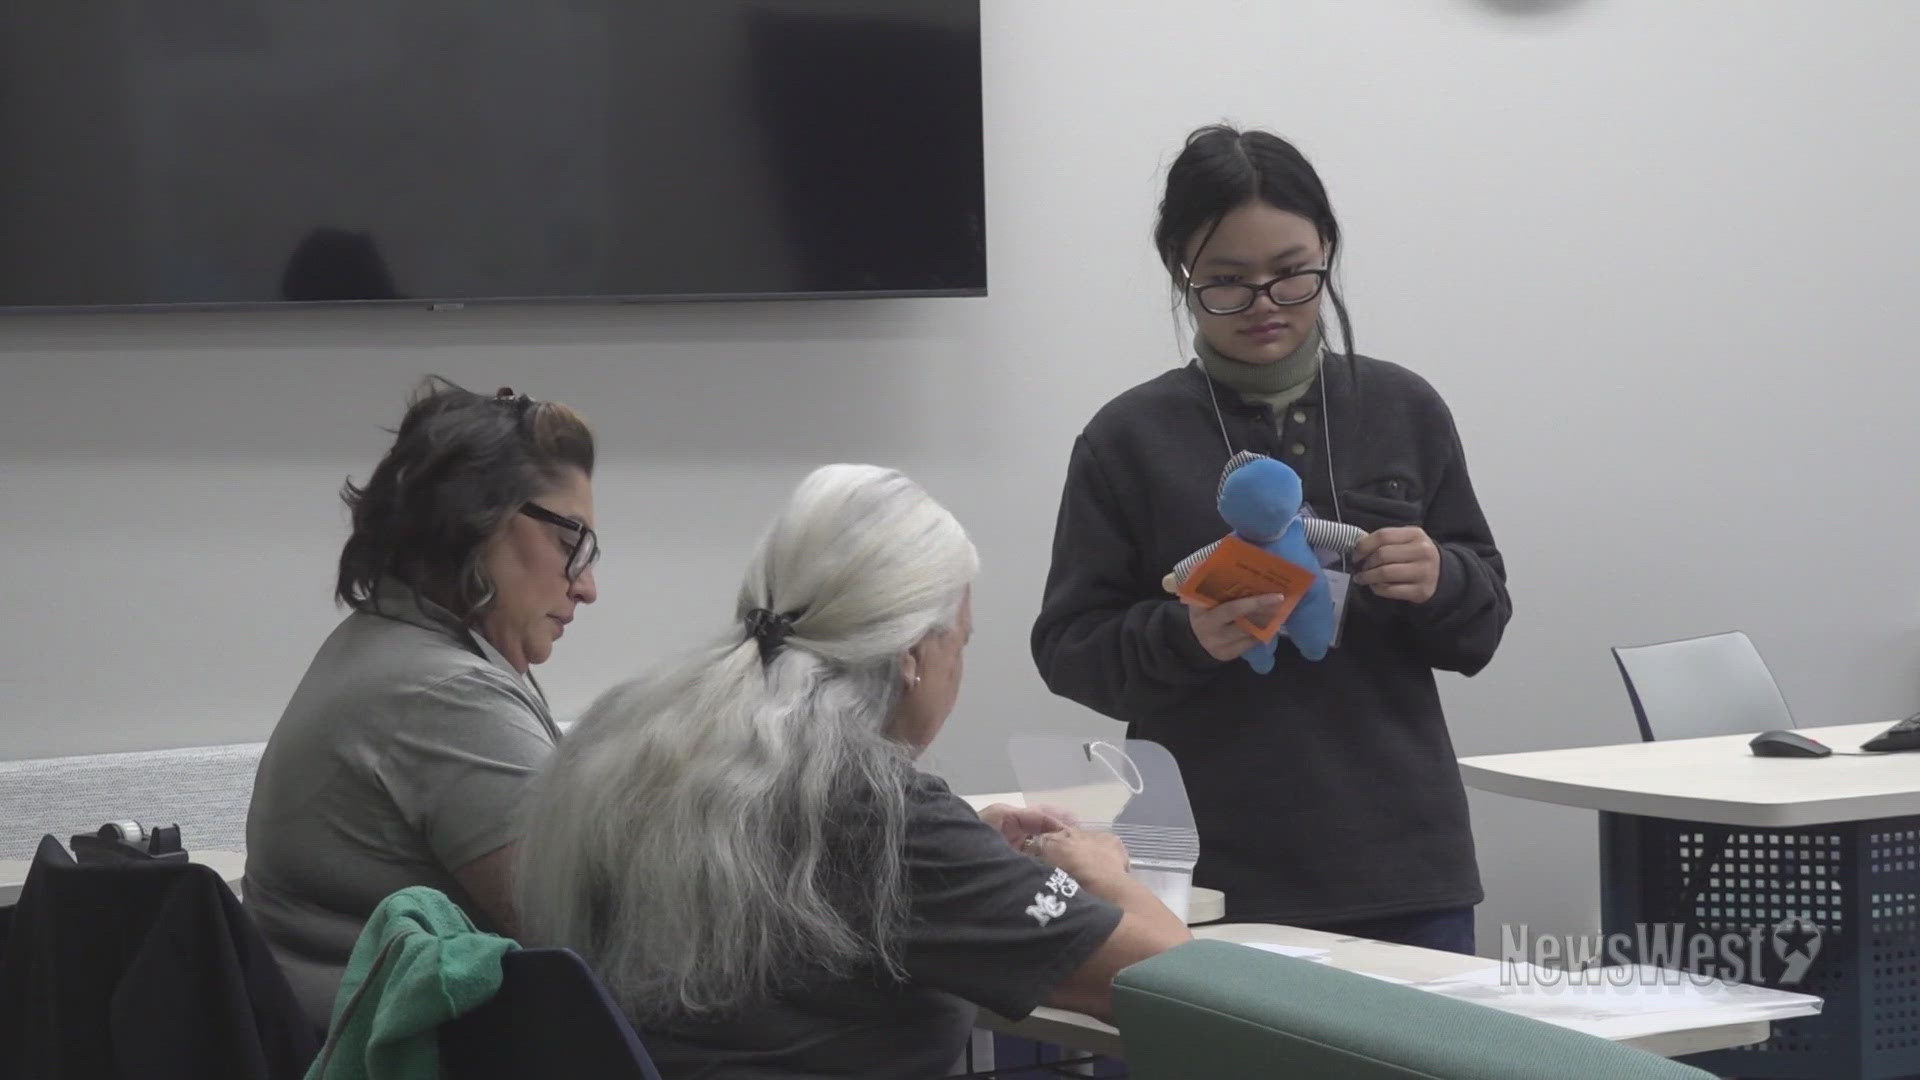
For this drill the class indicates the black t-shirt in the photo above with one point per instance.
(987, 926)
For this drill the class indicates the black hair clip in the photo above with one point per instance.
(519, 402)
(770, 630)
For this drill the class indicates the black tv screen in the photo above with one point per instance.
(235, 152)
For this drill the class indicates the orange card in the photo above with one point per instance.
(1238, 569)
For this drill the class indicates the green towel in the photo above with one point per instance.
(419, 963)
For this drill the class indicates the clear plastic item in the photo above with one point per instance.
(1131, 787)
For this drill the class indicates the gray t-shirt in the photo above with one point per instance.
(988, 926)
(402, 757)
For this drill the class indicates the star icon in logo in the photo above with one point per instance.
(1796, 937)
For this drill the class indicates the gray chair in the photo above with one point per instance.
(1696, 687)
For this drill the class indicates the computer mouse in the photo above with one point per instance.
(1787, 744)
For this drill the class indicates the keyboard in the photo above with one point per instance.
(1904, 735)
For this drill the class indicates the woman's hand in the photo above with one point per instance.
(1094, 858)
(1400, 563)
(1020, 824)
(1216, 631)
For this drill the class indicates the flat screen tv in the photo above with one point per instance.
(217, 153)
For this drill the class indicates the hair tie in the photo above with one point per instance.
(770, 630)
(519, 403)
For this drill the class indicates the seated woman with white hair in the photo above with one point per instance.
(742, 848)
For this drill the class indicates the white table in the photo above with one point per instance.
(232, 866)
(1693, 1032)
(1703, 834)
(1715, 779)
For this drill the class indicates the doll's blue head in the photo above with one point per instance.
(1260, 498)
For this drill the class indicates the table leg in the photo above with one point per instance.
(1854, 886)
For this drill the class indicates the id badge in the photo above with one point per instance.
(1333, 568)
(1337, 582)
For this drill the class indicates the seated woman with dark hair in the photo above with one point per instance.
(742, 848)
(403, 754)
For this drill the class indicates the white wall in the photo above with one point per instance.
(1651, 252)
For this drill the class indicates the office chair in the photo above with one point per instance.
(552, 1017)
(1696, 687)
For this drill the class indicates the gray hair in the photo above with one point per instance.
(720, 827)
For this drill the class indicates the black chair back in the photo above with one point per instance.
(551, 1018)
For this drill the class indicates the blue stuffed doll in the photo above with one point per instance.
(1260, 498)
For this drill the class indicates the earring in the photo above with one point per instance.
(916, 682)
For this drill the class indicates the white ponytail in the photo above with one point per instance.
(732, 818)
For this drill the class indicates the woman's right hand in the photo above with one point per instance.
(1215, 628)
(1022, 823)
(1092, 857)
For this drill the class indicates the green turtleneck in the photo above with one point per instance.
(1278, 384)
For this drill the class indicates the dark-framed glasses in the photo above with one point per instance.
(1233, 297)
(583, 550)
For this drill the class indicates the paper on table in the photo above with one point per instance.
(1302, 951)
(1318, 956)
(1633, 988)
(1394, 979)
(1618, 1002)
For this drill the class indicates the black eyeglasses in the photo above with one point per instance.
(1233, 297)
(582, 552)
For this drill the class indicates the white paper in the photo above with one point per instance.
(1302, 951)
(1394, 979)
(1318, 956)
(1620, 1002)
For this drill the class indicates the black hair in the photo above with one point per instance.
(1222, 168)
(461, 465)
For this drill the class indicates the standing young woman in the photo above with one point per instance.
(1326, 793)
